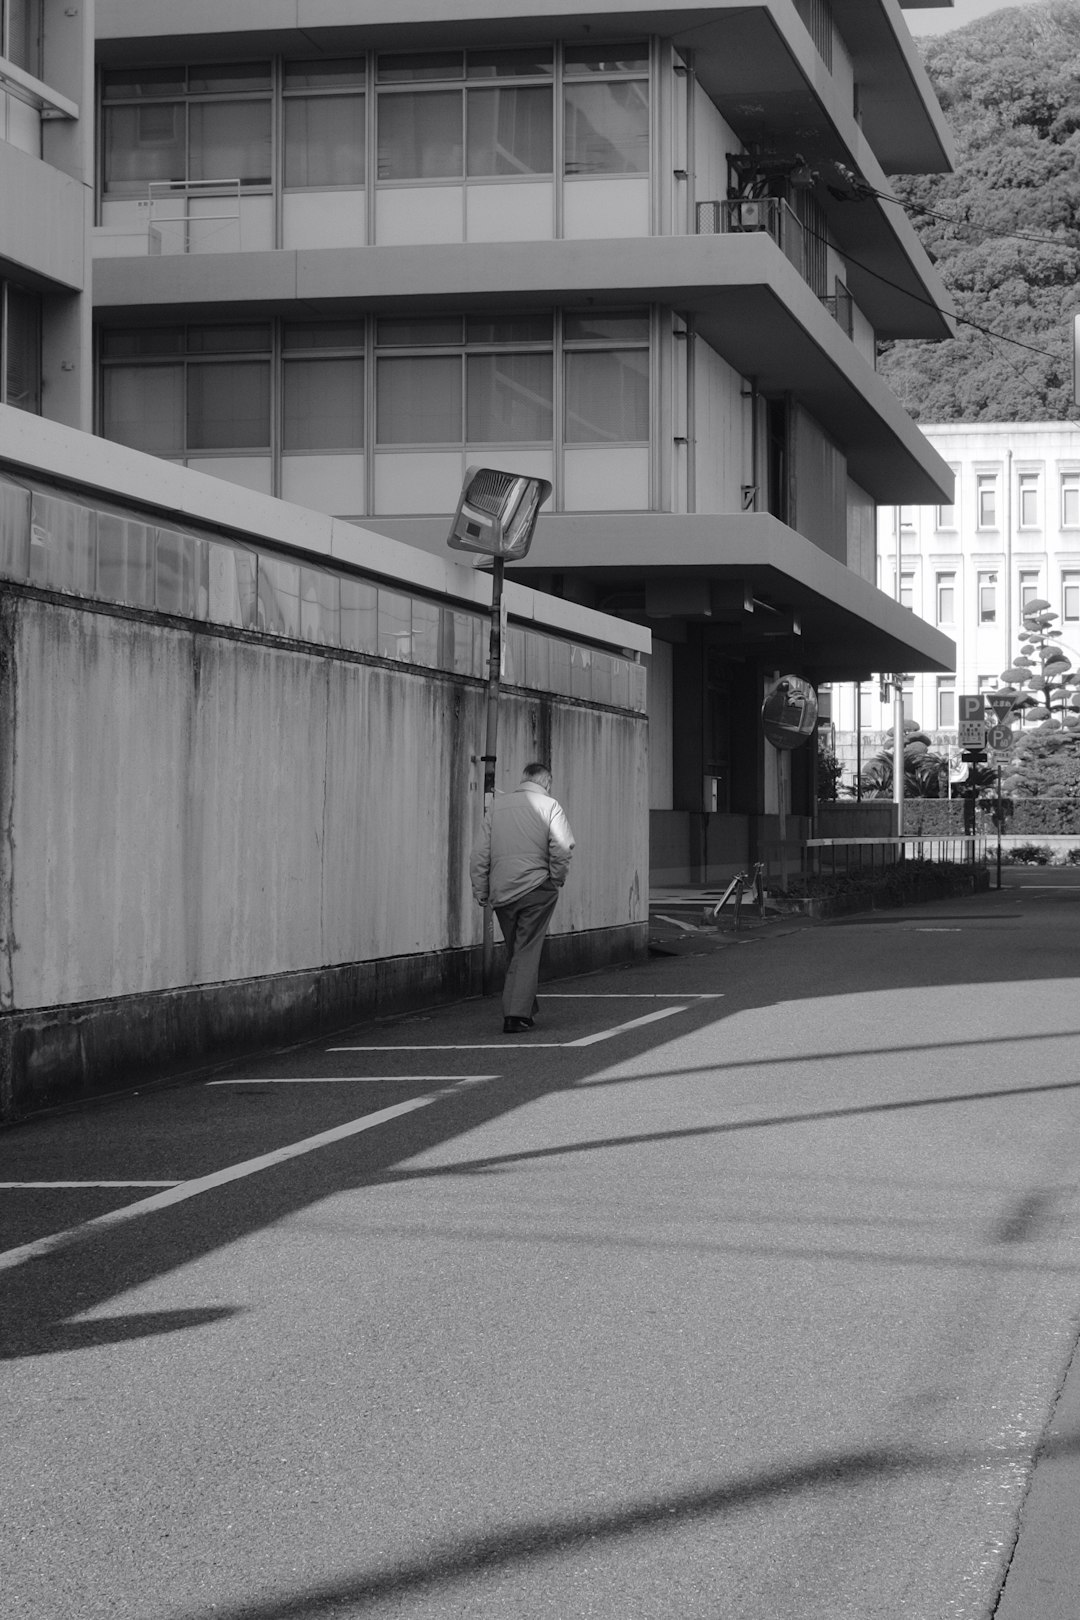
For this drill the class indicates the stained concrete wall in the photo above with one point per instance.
(209, 837)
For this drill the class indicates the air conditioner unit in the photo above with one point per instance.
(749, 216)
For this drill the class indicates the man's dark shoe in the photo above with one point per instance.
(517, 1026)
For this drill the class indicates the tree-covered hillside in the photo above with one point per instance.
(1004, 229)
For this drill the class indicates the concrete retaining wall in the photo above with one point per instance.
(209, 838)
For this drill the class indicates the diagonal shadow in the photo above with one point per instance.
(688, 1132)
(527, 1544)
(915, 1049)
(47, 1290)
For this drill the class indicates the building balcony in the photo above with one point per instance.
(748, 301)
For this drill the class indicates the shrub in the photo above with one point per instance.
(1031, 854)
(1072, 856)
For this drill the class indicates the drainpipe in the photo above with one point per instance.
(898, 702)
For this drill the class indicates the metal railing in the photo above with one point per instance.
(740, 216)
(170, 215)
(845, 855)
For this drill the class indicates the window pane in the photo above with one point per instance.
(359, 616)
(1070, 596)
(63, 553)
(607, 128)
(606, 58)
(422, 333)
(143, 144)
(180, 574)
(125, 560)
(128, 84)
(323, 405)
(22, 349)
(234, 76)
(420, 136)
(345, 70)
(510, 131)
(228, 406)
(581, 326)
(324, 335)
(1029, 503)
(1070, 505)
(324, 141)
(509, 329)
(279, 597)
(510, 64)
(230, 140)
(395, 625)
(419, 400)
(509, 398)
(607, 396)
(14, 530)
(467, 654)
(420, 65)
(23, 44)
(228, 339)
(231, 575)
(135, 342)
(425, 633)
(319, 606)
(144, 407)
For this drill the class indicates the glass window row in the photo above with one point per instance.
(67, 546)
(193, 126)
(1029, 502)
(1029, 588)
(175, 391)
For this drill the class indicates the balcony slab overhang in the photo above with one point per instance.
(847, 627)
(748, 302)
(730, 36)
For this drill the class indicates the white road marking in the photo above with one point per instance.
(6, 1186)
(351, 1080)
(644, 995)
(472, 1046)
(634, 1023)
(180, 1192)
(531, 1046)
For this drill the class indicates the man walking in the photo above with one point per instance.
(520, 863)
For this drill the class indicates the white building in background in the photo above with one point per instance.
(1010, 536)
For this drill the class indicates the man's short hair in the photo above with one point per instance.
(534, 770)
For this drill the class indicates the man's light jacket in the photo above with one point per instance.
(525, 840)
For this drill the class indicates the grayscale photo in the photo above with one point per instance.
(539, 810)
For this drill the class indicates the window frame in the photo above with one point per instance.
(1028, 483)
(945, 585)
(986, 484)
(986, 591)
(185, 98)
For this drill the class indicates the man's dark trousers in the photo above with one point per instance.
(524, 924)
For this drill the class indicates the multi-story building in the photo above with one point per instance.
(46, 208)
(346, 249)
(1010, 535)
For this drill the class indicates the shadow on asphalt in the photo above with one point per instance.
(522, 1545)
(92, 1265)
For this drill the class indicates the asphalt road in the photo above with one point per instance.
(743, 1289)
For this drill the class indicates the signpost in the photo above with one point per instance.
(496, 516)
(971, 730)
(999, 740)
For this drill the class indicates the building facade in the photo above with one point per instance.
(344, 251)
(46, 208)
(1009, 536)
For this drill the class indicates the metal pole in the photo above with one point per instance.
(491, 739)
(999, 830)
